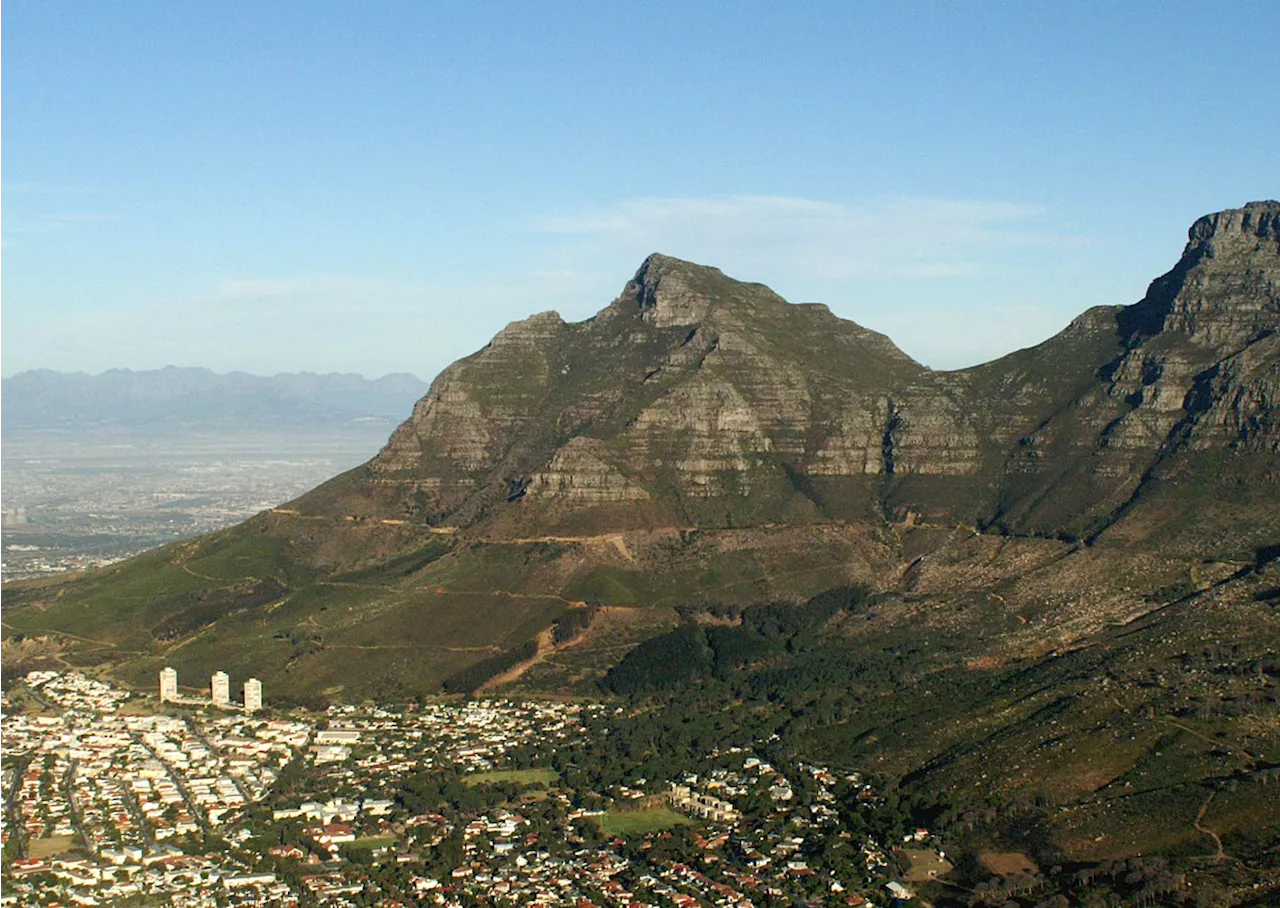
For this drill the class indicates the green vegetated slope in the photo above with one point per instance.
(1104, 749)
(1088, 509)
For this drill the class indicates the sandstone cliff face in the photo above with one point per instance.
(713, 402)
(667, 293)
(472, 414)
(1230, 294)
(1232, 307)
(581, 472)
(855, 440)
(690, 386)
(1195, 373)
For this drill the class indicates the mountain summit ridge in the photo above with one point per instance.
(695, 392)
(1260, 219)
(666, 292)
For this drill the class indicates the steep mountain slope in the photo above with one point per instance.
(693, 400)
(701, 442)
(1186, 408)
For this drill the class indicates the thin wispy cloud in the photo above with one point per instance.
(54, 223)
(28, 187)
(76, 217)
(948, 279)
(308, 293)
(256, 288)
(34, 209)
(901, 238)
(308, 287)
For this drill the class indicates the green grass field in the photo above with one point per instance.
(372, 843)
(518, 776)
(640, 822)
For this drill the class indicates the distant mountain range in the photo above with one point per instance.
(198, 398)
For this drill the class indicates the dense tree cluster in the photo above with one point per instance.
(692, 652)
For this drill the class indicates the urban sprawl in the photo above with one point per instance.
(111, 797)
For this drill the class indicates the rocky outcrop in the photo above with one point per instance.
(931, 433)
(855, 441)
(472, 414)
(1192, 342)
(703, 429)
(581, 473)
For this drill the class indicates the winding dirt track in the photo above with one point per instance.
(617, 540)
(1204, 808)
(546, 646)
(546, 649)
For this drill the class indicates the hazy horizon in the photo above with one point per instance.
(169, 366)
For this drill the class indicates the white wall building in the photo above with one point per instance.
(221, 685)
(252, 695)
(168, 685)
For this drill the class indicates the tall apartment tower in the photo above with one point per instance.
(252, 695)
(168, 685)
(221, 685)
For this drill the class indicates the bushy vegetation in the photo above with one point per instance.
(573, 622)
(1161, 717)
(692, 652)
(396, 568)
(476, 674)
(218, 603)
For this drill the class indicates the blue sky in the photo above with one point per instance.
(381, 187)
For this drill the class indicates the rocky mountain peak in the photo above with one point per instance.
(670, 291)
(1231, 293)
(1256, 221)
(695, 399)
(1225, 290)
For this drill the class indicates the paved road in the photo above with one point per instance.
(194, 809)
(19, 769)
(77, 821)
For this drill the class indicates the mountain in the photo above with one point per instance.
(1055, 546)
(199, 398)
(695, 401)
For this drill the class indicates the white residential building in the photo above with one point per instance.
(221, 689)
(252, 695)
(168, 685)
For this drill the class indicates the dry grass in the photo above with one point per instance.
(925, 865)
(54, 845)
(1007, 863)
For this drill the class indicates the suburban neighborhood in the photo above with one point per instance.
(110, 796)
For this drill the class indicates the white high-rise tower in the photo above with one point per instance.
(168, 685)
(221, 685)
(252, 695)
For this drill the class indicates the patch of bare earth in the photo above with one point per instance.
(1007, 863)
